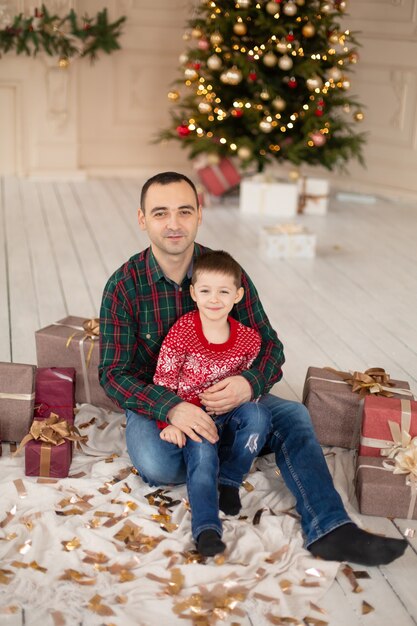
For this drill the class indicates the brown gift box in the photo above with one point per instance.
(382, 493)
(44, 459)
(65, 344)
(336, 411)
(17, 399)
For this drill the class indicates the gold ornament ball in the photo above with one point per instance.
(342, 6)
(290, 8)
(216, 39)
(272, 8)
(279, 103)
(240, 29)
(186, 36)
(353, 57)
(214, 62)
(265, 126)
(173, 95)
(235, 76)
(204, 107)
(285, 63)
(293, 175)
(308, 30)
(196, 33)
(63, 63)
(346, 108)
(300, 3)
(190, 74)
(243, 4)
(213, 159)
(282, 47)
(269, 59)
(244, 153)
(334, 73)
(326, 8)
(334, 37)
(314, 82)
(264, 94)
(359, 116)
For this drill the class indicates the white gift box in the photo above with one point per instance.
(269, 198)
(285, 241)
(313, 195)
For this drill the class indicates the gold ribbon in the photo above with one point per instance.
(16, 396)
(374, 380)
(304, 197)
(53, 431)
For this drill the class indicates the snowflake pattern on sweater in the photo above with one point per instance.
(188, 363)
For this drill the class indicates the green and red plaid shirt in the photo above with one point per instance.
(138, 308)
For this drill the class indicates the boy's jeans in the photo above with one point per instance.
(248, 426)
(297, 452)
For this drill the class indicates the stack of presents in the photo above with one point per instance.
(265, 196)
(37, 403)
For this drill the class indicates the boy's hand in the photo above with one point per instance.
(193, 421)
(226, 395)
(173, 435)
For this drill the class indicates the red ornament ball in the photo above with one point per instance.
(292, 83)
(318, 112)
(196, 65)
(183, 130)
(237, 112)
(320, 103)
(290, 37)
(252, 76)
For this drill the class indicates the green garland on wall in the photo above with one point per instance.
(65, 37)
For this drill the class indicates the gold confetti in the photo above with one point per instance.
(192, 556)
(161, 518)
(409, 532)
(317, 608)
(77, 577)
(286, 586)
(47, 481)
(361, 574)
(59, 619)
(121, 599)
(126, 488)
(313, 571)
(32, 564)
(104, 514)
(367, 608)
(264, 598)
(104, 490)
(114, 520)
(95, 557)
(169, 527)
(220, 559)
(9, 537)
(9, 610)
(78, 475)
(111, 458)
(348, 572)
(126, 576)
(281, 621)
(20, 488)
(96, 606)
(87, 424)
(186, 504)
(72, 544)
(257, 517)
(313, 621)
(309, 583)
(6, 576)
(260, 572)
(24, 548)
(277, 555)
(135, 540)
(95, 522)
(103, 426)
(248, 486)
(9, 516)
(73, 511)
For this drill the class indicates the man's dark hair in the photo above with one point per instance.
(220, 262)
(165, 178)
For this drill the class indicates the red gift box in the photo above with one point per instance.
(218, 178)
(44, 459)
(54, 392)
(386, 425)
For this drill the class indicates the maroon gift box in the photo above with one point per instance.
(377, 413)
(219, 178)
(65, 344)
(382, 493)
(44, 459)
(54, 392)
(336, 411)
(17, 398)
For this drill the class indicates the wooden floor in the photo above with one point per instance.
(354, 306)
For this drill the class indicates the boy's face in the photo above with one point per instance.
(215, 294)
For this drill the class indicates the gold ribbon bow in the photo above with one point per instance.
(374, 380)
(52, 430)
(92, 327)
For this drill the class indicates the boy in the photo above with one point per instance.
(203, 347)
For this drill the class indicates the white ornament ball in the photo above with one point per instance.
(264, 94)
(265, 126)
(183, 58)
(326, 8)
(269, 59)
(318, 139)
(293, 175)
(334, 73)
(290, 8)
(214, 62)
(285, 63)
(272, 8)
(216, 39)
(314, 82)
(244, 153)
(234, 76)
(346, 83)
(282, 47)
(204, 107)
(279, 103)
(243, 4)
(190, 74)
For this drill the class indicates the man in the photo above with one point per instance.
(140, 303)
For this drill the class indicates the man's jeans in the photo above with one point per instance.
(247, 426)
(297, 452)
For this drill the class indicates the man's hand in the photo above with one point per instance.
(193, 421)
(173, 435)
(226, 395)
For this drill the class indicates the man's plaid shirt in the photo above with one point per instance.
(138, 308)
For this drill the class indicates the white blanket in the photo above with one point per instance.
(265, 573)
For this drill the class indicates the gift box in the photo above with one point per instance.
(285, 241)
(44, 459)
(336, 406)
(381, 492)
(387, 425)
(54, 392)
(73, 342)
(219, 178)
(313, 198)
(262, 197)
(17, 399)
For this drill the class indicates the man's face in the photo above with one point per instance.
(171, 217)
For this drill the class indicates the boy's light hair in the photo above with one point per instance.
(220, 262)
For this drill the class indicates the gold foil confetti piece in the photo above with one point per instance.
(316, 607)
(286, 586)
(361, 574)
(103, 425)
(110, 459)
(126, 576)
(72, 511)
(186, 504)
(257, 517)
(112, 521)
(87, 424)
(19, 564)
(367, 608)
(192, 556)
(169, 527)
(134, 471)
(20, 488)
(348, 572)
(36, 566)
(116, 568)
(309, 583)
(96, 606)
(104, 490)
(9, 537)
(77, 577)
(176, 583)
(104, 514)
(24, 548)
(219, 559)
(173, 561)
(9, 610)
(126, 488)
(135, 540)
(264, 598)
(6, 576)
(78, 475)
(47, 481)
(95, 557)
(248, 486)
(124, 473)
(131, 505)
(94, 522)
(271, 512)
(121, 599)
(72, 544)
(260, 572)
(409, 532)
(313, 571)
(9, 516)
(58, 618)
(115, 501)
(277, 555)
(313, 621)
(277, 472)
(161, 518)
(242, 518)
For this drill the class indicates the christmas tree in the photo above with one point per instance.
(268, 81)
